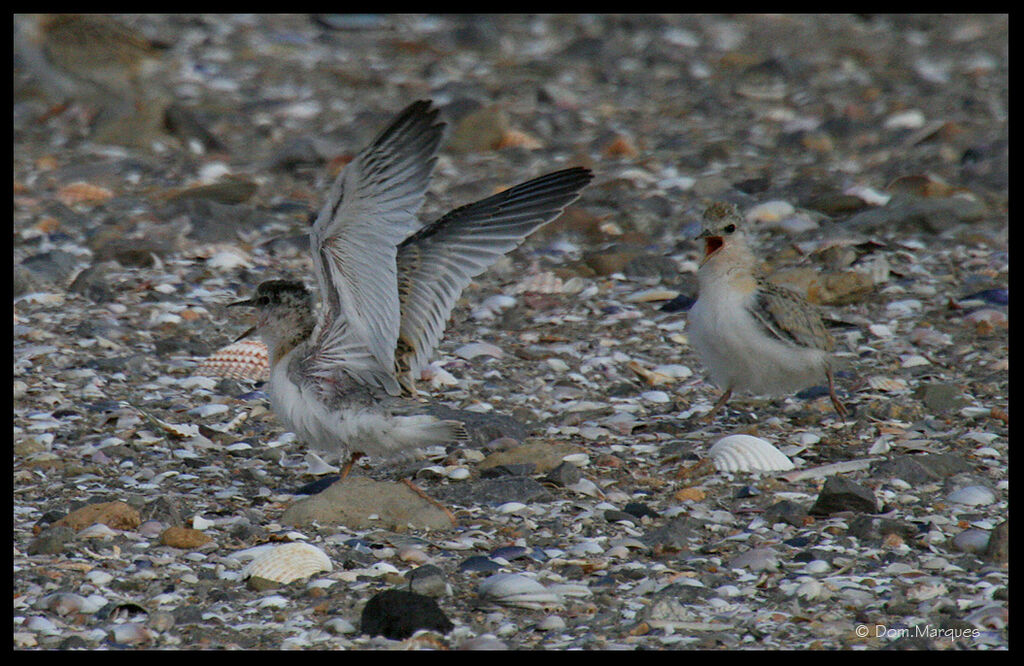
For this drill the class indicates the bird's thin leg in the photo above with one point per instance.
(718, 405)
(840, 409)
(419, 491)
(348, 465)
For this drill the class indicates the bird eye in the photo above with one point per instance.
(729, 229)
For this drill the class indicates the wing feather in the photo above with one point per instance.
(436, 263)
(371, 207)
(788, 318)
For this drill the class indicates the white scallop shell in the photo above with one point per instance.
(888, 384)
(288, 562)
(972, 496)
(518, 590)
(745, 453)
(245, 359)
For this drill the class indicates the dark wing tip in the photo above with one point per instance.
(420, 116)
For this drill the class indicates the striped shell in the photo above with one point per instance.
(745, 453)
(288, 562)
(518, 590)
(245, 359)
(888, 384)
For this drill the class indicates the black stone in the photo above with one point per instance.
(639, 509)
(841, 494)
(396, 614)
(785, 511)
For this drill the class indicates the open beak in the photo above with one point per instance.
(246, 334)
(712, 243)
(248, 302)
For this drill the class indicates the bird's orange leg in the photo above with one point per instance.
(348, 465)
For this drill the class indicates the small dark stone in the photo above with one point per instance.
(296, 153)
(754, 185)
(681, 303)
(55, 266)
(613, 516)
(73, 642)
(396, 614)
(874, 529)
(51, 542)
(182, 122)
(917, 469)
(510, 552)
(639, 510)
(188, 614)
(483, 428)
(651, 267)
(492, 492)
(318, 486)
(798, 541)
(787, 512)
(259, 584)
(940, 397)
(566, 474)
(511, 469)
(674, 534)
(839, 494)
(478, 564)
(428, 580)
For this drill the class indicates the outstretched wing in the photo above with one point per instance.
(371, 207)
(789, 318)
(436, 263)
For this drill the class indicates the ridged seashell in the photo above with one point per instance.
(972, 496)
(888, 384)
(80, 192)
(745, 453)
(544, 282)
(518, 590)
(288, 562)
(245, 359)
